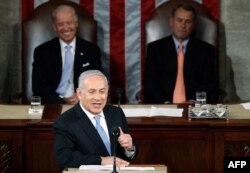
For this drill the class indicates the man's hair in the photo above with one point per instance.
(90, 73)
(63, 7)
(185, 6)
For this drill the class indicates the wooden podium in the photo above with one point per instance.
(158, 169)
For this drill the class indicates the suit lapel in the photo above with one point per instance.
(88, 128)
(57, 56)
(189, 59)
(171, 58)
(77, 48)
(79, 51)
(173, 52)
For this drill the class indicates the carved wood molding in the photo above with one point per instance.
(5, 157)
(237, 149)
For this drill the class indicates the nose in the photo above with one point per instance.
(97, 96)
(183, 24)
(66, 27)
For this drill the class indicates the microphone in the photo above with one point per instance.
(119, 96)
(115, 131)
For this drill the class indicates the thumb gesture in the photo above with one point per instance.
(125, 140)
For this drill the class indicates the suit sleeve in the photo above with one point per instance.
(98, 60)
(120, 150)
(95, 53)
(40, 71)
(152, 91)
(209, 82)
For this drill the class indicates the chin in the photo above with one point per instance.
(68, 40)
(96, 112)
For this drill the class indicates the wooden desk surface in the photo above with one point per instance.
(158, 169)
(236, 111)
(21, 112)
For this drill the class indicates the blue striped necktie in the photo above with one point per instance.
(102, 133)
(67, 70)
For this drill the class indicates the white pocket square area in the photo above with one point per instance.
(86, 64)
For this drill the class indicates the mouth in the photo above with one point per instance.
(97, 105)
(66, 34)
(183, 31)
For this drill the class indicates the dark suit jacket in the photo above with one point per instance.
(77, 142)
(47, 67)
(161, 70)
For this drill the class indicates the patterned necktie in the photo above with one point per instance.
(102, 133)
(179, 90)
(67, 70)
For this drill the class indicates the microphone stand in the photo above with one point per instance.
(114, 163)
(119, 95)
(115, 133)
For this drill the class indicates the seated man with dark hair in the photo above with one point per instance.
(59, 62)
(179, 65)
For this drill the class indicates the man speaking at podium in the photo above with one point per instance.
(83, 133)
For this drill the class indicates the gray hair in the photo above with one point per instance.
(90, 73)
(61, 8)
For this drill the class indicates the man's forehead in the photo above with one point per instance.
(94, 78)
(183, 13)
(93, 88)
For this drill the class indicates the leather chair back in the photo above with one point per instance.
(39, 29)
(158, 25)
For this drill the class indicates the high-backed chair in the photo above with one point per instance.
(158, 26)
(39, 29)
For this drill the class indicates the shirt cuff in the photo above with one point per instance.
(130, 153)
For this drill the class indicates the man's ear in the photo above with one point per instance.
(78, 92)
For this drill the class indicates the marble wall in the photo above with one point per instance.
(234, 56)
(234, 49)
(10, 52)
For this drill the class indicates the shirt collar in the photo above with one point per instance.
(89, 114)
(72, 44)
(184, 43)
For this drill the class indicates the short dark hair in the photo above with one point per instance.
(185, 6)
